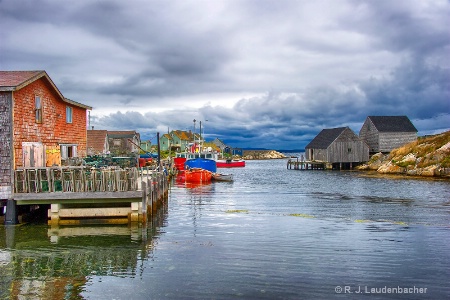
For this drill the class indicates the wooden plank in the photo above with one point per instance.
(83, 195)
(94, 212)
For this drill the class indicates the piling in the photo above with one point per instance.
(11, 217)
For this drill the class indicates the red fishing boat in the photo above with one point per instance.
(197, 175)
(228, 163)
(178, 163)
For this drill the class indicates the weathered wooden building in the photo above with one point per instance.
(97, 142)
(337, 146)
(38, 126)
(385, 133)
(123, 142)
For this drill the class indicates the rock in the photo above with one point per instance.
(262, 154)
(428, 156)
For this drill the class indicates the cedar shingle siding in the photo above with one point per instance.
(337, 145)
(385, 133)
(28, 141)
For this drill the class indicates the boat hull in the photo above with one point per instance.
(196, 175)
(203, 163)
(222, 177)
(230, 163)
(178, 163)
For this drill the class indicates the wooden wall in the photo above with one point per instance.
(54, 129)
(6, 150)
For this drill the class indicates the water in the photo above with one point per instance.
(271, 234)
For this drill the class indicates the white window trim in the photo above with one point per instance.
(64, 150)
(69, 114)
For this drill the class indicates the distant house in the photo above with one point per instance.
(97, 142)
(123, 142)
(146, 146)
(337, 145)
(385, 133)
(38, 126)
(219, 143)
(166, 142)
(181, 139)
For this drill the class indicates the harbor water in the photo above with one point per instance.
(273, 233)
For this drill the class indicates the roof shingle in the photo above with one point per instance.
(392, 124)
(325, 138)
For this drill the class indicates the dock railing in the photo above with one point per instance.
(79, 179)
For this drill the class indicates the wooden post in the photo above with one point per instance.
(149, 197)
(11, 217)
(144, 201)
(54, 214)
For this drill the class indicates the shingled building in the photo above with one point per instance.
(385, 133)
(337, 146)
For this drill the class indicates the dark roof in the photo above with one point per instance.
(392, 124)
(325, 138)
(11, 81)
(122, 134)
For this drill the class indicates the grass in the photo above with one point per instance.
(425, 151)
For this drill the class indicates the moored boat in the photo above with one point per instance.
(197, 175)
(229, 163)
(203, 163)
(178, 163)
(222, 177)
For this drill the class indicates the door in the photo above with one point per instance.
(33, 154)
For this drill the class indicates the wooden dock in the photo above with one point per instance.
(294, 163)
(79, 195)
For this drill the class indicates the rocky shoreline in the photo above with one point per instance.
(262, 154)
(428, 156)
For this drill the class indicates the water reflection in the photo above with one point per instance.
(42, 262)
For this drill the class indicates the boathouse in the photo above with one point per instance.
(123, 142)
(97, 142)
(385, 133)
(39, 127)
(340, 147)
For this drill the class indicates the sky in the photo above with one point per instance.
(256, 73)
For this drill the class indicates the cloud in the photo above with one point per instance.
(263, 73)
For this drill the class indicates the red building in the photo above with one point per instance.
(39, 127)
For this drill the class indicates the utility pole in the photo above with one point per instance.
(159, 151)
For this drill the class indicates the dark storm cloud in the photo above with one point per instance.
(263, 73)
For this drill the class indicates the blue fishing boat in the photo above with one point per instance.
(202, 163)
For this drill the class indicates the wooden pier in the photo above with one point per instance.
(295, 164)
(79, 195)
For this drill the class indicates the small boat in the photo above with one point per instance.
(202, 163)
(197, 175)
(228, 163)
(222, 177)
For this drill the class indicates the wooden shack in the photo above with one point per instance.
(337, 146)
(385, 133)
(123, 142)
(39, 127)
(97, 142)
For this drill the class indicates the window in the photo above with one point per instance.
(38, 109)
(69, 114)
(68, 151)
(349, 150)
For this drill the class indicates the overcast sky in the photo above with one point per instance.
(257, 73)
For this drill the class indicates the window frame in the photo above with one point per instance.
(38, 109)
(69, 114)
(67, 149)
